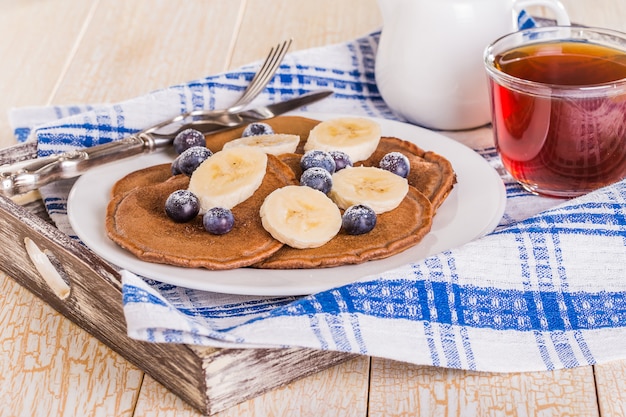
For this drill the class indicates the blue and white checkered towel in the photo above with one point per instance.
(546, 290)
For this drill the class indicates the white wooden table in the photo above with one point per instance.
(90, 51)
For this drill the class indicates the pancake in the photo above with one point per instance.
(395, 231)
(136, 221)
(156, 238)
(430, 173)
(143, 177)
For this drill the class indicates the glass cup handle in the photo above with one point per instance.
(562, 18)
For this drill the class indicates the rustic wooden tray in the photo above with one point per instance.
(87, 290)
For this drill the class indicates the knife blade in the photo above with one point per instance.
(25, 176)
(220, 120)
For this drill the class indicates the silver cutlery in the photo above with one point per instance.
(25, 176)
(258, 83)
(28, 175)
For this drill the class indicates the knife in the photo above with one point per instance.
(25, 176)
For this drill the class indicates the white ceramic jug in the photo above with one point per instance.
(429, 64)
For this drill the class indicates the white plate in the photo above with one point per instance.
(473, 208)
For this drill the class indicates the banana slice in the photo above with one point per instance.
(275, 144)
(356, 136)
(374, 187)
(300, 217)
(228, 177)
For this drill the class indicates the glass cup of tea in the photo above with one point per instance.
(558, 106)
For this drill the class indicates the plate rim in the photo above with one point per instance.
(287, 289)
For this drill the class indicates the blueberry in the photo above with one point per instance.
(190, 159)
(256, 129)
(317, 158)
(218, 220)
(188, 138)
(342, 160)
(358, 219)
(182, 206)
(397, 163)
(317, 178)
(175, 168)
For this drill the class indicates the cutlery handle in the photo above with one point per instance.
(29, 175)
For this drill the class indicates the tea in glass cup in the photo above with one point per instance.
(558, 106)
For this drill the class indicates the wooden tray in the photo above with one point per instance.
(87, 290)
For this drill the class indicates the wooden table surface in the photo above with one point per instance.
(93, 51)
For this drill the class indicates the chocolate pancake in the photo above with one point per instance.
(148, 176)
(395, 231)
(430, 173)
(156, 238)
(136, 221)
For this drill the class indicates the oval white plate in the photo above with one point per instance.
(473, 209)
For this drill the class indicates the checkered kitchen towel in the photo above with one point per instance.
(546, 290)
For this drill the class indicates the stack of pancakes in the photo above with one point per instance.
(136, 219)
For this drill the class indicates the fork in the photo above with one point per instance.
(28, 175)
(257, 85)
(261, 78)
